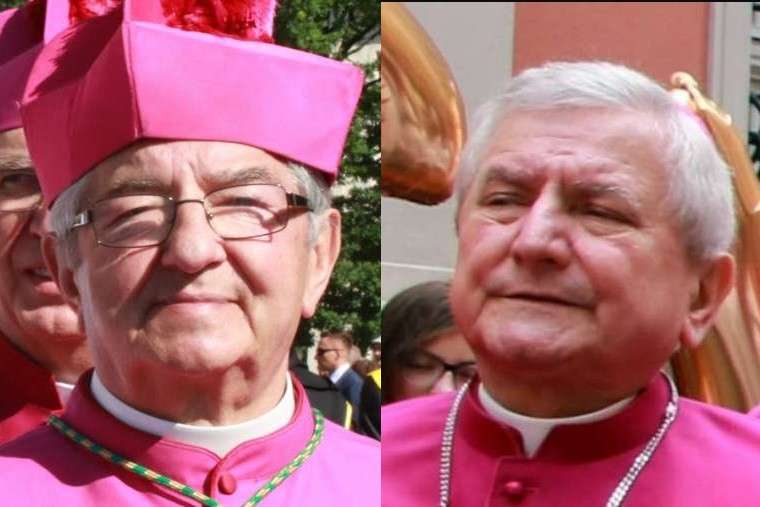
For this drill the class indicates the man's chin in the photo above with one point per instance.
(196, 365)
(195, 349)
(524, 346)
(58, 322)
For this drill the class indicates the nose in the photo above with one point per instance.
(444, 384)
(192, 245)
(39, 223)
(540, 239)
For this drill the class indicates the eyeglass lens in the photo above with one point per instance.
(19, 191)
(424, 369)
(245, 211)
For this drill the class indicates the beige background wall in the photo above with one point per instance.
(418, 242)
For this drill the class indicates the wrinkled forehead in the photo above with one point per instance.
(171, 166)
(13, 151)
(601, 148)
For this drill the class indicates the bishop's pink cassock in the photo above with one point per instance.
(145, 71)
(708, 457)
(44, 468)
(27, 393)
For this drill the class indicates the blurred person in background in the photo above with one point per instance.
(321, 392)
(376, 350)
(363, 366)
(424, 352)
(371, 399)
(334, 357)
(42, 348)
(369, 415)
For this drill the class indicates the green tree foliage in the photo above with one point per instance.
(340, 29)
(7, 4)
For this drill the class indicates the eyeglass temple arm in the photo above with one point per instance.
(81, 219)
(298, 201)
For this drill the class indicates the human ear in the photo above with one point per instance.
(322, 257)
(715, 283)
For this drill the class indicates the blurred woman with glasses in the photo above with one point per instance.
(423, 352)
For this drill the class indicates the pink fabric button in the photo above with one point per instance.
(227, 483)
(514, 489)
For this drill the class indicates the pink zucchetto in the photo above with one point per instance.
(182, 69)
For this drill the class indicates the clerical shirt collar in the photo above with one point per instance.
(534, 430)
(218, 439)
(64, 390)
(338, 372)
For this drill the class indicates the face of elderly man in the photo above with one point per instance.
(572, 271)
(196, 306)
(32, 313)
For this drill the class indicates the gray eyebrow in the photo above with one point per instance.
(507, 173)
(134, 186)
(242, 175)
(604, 189)
(131, 186)
(521, 174)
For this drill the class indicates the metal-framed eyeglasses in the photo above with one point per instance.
(423, 369)
(235, 212)
(322, 352)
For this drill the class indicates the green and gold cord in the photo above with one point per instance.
(183, 489)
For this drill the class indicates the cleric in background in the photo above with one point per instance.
(42, 348)
(595, 219)
(188, 176)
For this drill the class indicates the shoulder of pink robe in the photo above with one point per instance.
(412, 432)
(709, 457)
(44, 468)
(27, 393)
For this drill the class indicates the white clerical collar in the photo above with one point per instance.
(218, 439)
(338, 372)
(534, 430)
(64, 391)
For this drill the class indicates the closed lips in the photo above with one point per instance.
(545, 298)
(192, 298)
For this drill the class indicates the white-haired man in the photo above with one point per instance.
(191, 238)
(595, 219)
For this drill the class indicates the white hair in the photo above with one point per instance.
(72, 201)
(700, 193)
(318, 196)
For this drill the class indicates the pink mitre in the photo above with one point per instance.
(138, 72)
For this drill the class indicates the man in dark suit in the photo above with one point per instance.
(322, 393)
(332, 357)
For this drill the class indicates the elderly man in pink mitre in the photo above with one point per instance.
(188, 175)
(42, 348)
(595, 219)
